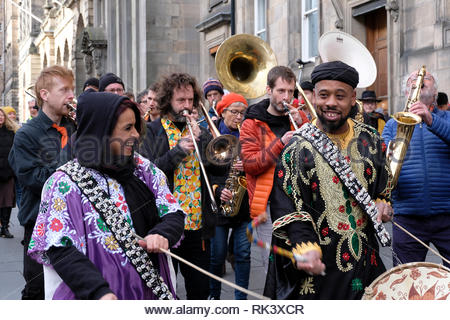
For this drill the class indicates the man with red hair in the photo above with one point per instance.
(35, 155)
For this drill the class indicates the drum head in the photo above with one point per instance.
(411, 281)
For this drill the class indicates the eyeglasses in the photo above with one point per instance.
(118, 90)
(235, 112)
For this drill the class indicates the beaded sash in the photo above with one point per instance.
(336, 160)
(119, 227)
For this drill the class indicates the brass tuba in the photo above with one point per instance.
(242, 64)
(406, 122)
(338, 45)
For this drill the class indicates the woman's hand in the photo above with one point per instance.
(154, 242)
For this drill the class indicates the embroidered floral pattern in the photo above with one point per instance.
(280, 174)
(357, 284)
(56, 225)
(307, 287)
(111, 243)
(59, 204)
(121, 203)
(64, 187)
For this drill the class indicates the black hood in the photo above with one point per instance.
(95, 116)
(259, 111)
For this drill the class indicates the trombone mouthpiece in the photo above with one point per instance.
(185, 112)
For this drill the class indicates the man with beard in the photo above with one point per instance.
(329, 182)
(422, 195)
(169, 145)
(265, 130)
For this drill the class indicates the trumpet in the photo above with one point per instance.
(72, 109)
(286, 108)
(202, 167)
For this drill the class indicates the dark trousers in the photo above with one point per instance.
(433, 229)
(32, 271)
(197, 251)
(5, 216)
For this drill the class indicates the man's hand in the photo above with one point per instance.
(422, 110)
(226, 195)
(385, 211)
(287, 137)
(314, 265)
(154, 242)
(186, 144)
(109, 296)
(262, 218)
(194, 125)
(295, 115)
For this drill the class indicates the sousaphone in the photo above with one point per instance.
(341, 46)
(242, 64)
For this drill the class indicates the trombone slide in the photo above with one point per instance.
(202, 167)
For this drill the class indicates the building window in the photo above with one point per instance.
(310, 29)
(260, 19)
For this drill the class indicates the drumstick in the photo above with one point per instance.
(209, 274)
(275, 249)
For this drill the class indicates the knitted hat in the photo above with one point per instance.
(228, 100)
(307, 85)
(9, 109)
(91, 82)
(107, 79)
(212, 84)
(335, 70)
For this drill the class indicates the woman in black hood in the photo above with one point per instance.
(96, 207)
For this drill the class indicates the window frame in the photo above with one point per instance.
(259, 32)
(306, 34)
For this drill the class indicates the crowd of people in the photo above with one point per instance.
(105, 190)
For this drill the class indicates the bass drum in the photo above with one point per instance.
(411, 281)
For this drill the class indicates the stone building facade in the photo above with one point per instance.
(139, 40)
(402, 35)
(142, 40)
(8, 55)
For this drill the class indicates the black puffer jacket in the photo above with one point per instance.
(6, 142)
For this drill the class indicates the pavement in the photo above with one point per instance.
(12, 282)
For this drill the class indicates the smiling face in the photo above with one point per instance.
(124, 135)
(334, 100)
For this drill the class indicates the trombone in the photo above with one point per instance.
(202, 167)
(222, 149)
(286, 108)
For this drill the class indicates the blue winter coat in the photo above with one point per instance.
(424, 184)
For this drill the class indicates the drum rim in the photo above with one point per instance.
(403, 266)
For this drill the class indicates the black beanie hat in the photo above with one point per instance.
(335, 70)
(107, 79)
(91, 82)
